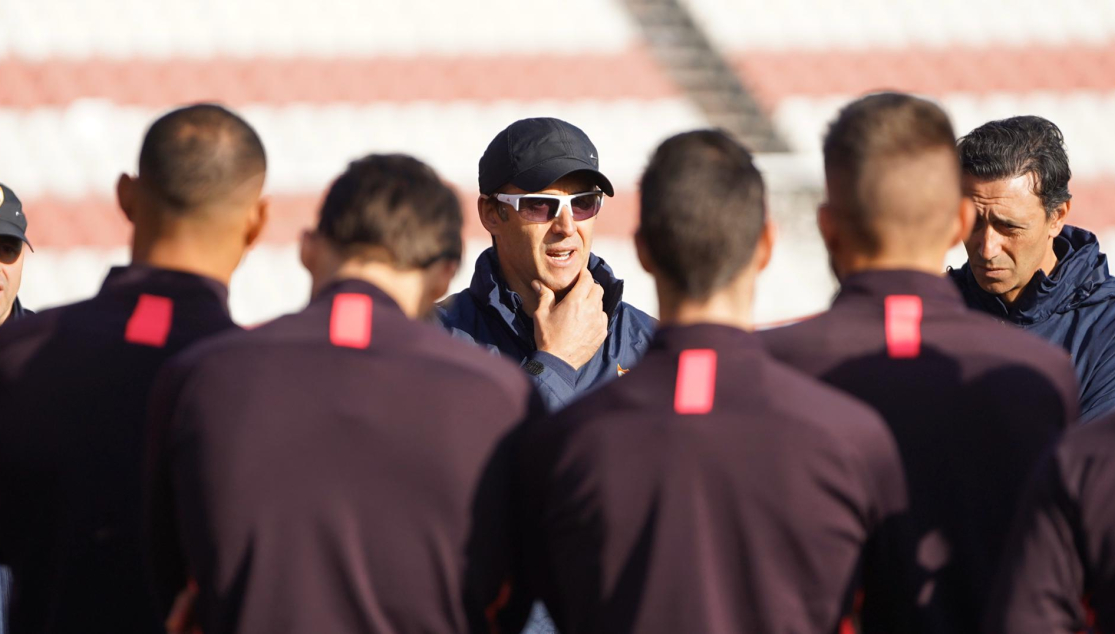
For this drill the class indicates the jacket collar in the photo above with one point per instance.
(138, 278)
(1080, 278)
(674, 338)
(881, 283)
(18, 311)
(489, 289)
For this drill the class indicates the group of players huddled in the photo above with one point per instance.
(903, 462)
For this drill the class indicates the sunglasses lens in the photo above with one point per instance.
(586, 206)
(537, 209)
(10, 248)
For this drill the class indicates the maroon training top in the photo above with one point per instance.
(74, 387)
(972, 404)
(712, 489)
(342, 469)
(1061, 555)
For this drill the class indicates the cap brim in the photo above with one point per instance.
(549, 172)
(10, 229)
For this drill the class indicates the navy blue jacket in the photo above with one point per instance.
(490, 314)
(1073, 308)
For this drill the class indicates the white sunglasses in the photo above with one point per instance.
(546, 207)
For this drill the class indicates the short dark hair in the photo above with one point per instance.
(878, 137)
(1020, 146)
(198, 155)
(701, 210)
(395, 203)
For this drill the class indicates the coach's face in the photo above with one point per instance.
(1013, 236)
(552, 252)
(11, 273)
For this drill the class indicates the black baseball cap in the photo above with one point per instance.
(13, 222)
(532, 154)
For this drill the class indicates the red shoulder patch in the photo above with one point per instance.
(350, 325)
(696, 385)
(150, 322)
(903, 326)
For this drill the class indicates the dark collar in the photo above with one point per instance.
(716, 336)
(18, 311)
(875, 285)
(138, 278)
(488, 288)
(381, 299)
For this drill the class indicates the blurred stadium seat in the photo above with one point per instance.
(327, 81)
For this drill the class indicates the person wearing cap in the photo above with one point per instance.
(75, 380)
(714, 489)
(539, 296)
(13, 237)
(301, 471)
(972, 403)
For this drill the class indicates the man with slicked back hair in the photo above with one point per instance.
(1026, 266)
(75, 380)
(971, 403)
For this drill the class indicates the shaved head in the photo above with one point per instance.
(892, 173)
(199, 157)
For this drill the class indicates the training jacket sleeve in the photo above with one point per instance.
(554, 379)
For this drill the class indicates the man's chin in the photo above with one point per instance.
(995, 287)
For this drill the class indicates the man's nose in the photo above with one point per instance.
(563, 224)
(989, 242)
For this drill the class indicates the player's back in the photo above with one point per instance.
(710, 490)
(338, 470)
(74, 386)
(972, 405)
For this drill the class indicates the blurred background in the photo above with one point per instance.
(330, 80)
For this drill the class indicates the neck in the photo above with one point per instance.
(189, 256)
(406, 287)
(933, 264)
(730, 306)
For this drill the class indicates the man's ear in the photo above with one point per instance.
(764, 248)
(257, 220)
(308, 250)
(826, 224)
(643, 253)
(965, 221)
(437, 279)
(125, 195)
(1059, 216)
(489, 211)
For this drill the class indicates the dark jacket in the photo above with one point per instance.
(1074, 308)
(18, 312)
(713, 490)
(490, 314)
(1058, 575)
(346, 498)
(972, 405)
(74, 384)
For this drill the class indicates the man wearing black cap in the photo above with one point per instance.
(714, 489)
(13, 237)
(75, 380)
(972, 404)
(539, 296)
(344, 468)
